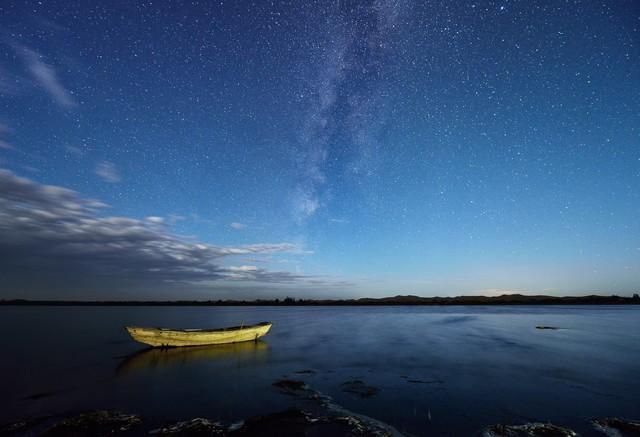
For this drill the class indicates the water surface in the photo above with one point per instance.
(439, 370)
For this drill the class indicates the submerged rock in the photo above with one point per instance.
(95, 424)
(359, 388)
(422, 381)
(528, 430)
(330, 413)
(616, 427)
(40, 395)
(193, 427)
(290, 384)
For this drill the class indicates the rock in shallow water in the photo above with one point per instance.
(359, 388)
(290, 385)
(329, 413)
(194, 427)
(528, 430)
(616, 427)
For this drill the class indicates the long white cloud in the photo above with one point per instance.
(46, 230)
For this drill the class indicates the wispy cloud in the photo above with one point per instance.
(75, 150)
(50, 25)
(45, 75)
(258, 274)
(8, 82)
(108, 172)
(63, 237)
(155, 220)
(197, 218)
(238, 226)
(500, 291)
(175, 218)
(4, 144)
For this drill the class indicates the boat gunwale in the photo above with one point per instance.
(196, 331)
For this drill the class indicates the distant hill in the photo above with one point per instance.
(505, 299)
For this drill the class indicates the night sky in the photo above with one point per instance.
(318, 149)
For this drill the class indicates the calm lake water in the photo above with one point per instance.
(439, 370)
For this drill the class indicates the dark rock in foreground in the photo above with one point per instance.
(615, 427)
(23, 426)
(95, 424)
(292, 422)
(319, 417)
(528, 430)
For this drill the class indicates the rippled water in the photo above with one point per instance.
(439, 370)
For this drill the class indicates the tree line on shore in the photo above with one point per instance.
(506, 299)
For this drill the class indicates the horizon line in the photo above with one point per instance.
(516, 299)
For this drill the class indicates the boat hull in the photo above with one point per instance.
(158, 337)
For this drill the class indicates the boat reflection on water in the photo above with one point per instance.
(152, 358)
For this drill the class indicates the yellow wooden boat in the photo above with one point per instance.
(160, 337)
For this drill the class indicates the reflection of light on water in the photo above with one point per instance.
(152, 358)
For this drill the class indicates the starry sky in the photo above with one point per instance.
(203, 149)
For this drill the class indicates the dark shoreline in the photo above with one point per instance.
(512, 299)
